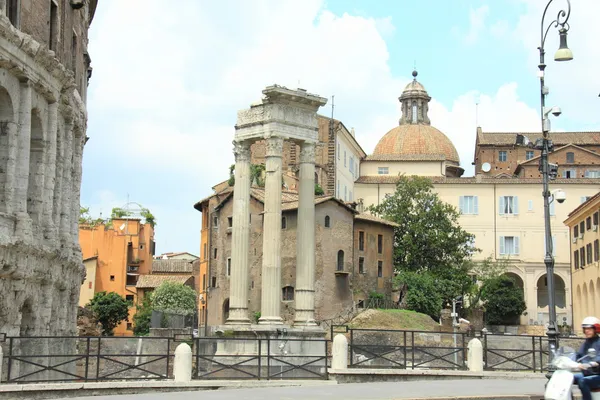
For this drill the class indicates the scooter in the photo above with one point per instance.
(560, 385)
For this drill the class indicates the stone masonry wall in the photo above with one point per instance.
(42, 134)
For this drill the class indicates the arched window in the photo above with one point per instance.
(340, 260)
(414, 112)
(316, 177)
(287, 293)
(283, 223)
(327, 221)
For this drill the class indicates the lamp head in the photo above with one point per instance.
(563, 53)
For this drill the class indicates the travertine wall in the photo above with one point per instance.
(42, 134)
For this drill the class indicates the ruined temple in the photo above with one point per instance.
(44, 73)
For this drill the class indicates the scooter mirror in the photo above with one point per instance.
(592, 353)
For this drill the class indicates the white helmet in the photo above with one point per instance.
(591, 322)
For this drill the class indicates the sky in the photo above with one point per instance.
(168, 81)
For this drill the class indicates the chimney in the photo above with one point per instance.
(352, 131)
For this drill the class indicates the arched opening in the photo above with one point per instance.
(560, 299)
(519, 285)
(327, 221)
(6, 124)
(340, 260)
(592, 298)
(225, 310)
(414, 112)
(36, 167)
(578, 305)
(316, 178)
(27, 319)
(584, 304)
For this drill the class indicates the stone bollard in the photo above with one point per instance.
(182, 366)
(475, 356)
(339, 352)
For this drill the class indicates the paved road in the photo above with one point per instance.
(362, 391)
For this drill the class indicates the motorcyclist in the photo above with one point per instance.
(589, 377)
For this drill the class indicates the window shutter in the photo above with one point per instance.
(475, 205)
(502, 252)
(552, 208)
(501, 206)
(461, 204)
(587, 175)
(515, 205)
(516, 244)
(564, 173)
(530, 205)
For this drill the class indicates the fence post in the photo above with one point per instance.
(182, 366)
(475, 356)
(339, 352)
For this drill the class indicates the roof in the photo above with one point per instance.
(405, 157)
(586, 203)
(171, 266)
(154, 281)
(393, 179)
(558, 138)
(417, 140)
(293, 205)
(372, 218)
(536, 158)
(90, 258)
(350, 136)
(175, 254)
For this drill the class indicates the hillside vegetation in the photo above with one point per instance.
(394, 319)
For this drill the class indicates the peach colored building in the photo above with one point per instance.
(585, 259)
(124, 251)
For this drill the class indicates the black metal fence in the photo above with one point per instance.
(88, 359)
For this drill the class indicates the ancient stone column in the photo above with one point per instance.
(58, 182)
(271, 268)
(50, 178)
(305, 239)
(11, 166)
(78, 143)
(66, 189)
(23, 228)
(240, 237)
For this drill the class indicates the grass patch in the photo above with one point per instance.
(394, 319)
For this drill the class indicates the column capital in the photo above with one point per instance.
(274, 146)
(307, 152)
(241, 150)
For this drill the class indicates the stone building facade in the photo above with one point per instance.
(339, 283)
(44, 71)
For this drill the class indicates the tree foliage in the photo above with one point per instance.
(110, 309)
(142, 317)
(85, 217)
(319, 190)
(428, 240)
(423, 294)
(148, 217)
(484, 272)
(503, 300)
(172, 297)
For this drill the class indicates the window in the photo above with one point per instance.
(203, 281)
(338, 151)
(345, 193)
(129, 299)
(351, 164)
(344, 158)
(528, 154)
(283, 222)
(414, 112)
(112, 278)
(215, 221)
(229, 267)
(53, 25)
(569, 173)
(12, 12)
(530, 205)
(230, 221)
(287, 293)
(581, 228)
(213, 281)
(129, 326)
(360, 304)
(327, 221)
(596, 218)
(383, 170)
(468, 205)
(509, 245)
(576, 258)
(90, 285)
(205, 251)
(592, 174)
(215, 253)
(361, 265)
(380, 244)
(582, 256)
(570, 158)
(588, 250)
(576, 231)
(509, 205)
(361, 241)
(340, 260)
(596, 250)
(379, 269)
(588, 223)
(502, 155)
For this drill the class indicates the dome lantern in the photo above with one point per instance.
(415, 103)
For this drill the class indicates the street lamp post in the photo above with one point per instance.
(548, 170)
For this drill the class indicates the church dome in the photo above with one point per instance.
(415, 138)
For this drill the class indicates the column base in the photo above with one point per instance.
(270, 321)
(238, 317)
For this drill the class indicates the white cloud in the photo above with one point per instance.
(477, 23)
(168, 82)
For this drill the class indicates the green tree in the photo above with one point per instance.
(503, 300)
(423, 294)
(148, 216)
(118, 213)
(484, 272)
(85, 218)
(319, 190)
(428, 238)
(174, 298)
(142, 317)
(110, 310)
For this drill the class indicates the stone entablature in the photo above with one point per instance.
(42, 134)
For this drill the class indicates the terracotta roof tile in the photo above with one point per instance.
(558, 138)
(393, 179)
(154, 281)
(372, 218)
(405, 157)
